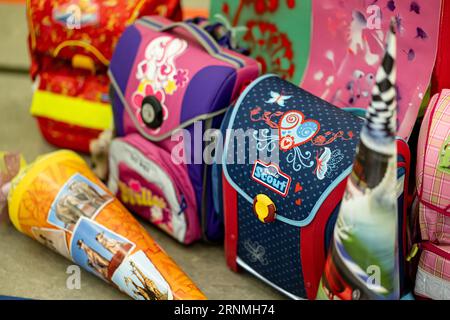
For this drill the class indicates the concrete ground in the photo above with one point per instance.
(28, 269)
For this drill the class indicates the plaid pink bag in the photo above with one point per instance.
(433, 183)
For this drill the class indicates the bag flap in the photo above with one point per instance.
(315, 142)
(90, 28)
(167, 76)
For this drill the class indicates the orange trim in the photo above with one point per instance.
(195, 12)
(135, 13)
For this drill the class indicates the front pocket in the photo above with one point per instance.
(144, 177)
(433, 274)
(270, 251)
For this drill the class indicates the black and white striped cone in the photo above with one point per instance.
(362, 262)
(381, 125)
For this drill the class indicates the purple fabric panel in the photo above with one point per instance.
(214, 221)
(209, 90)
(195, 174)
(121, 65)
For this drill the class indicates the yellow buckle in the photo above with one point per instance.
(83, 62)
(264, 208)
(413, 252)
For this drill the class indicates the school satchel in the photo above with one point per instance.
(71, 44)
(433, 191)
(333, 48)
(280, 216)
(170, 78)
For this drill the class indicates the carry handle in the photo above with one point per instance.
(81, 44)
(203, 38)
(200, 35)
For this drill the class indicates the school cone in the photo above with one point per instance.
(58, 201)
(362, 262)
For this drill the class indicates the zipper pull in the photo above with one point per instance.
(413, 252)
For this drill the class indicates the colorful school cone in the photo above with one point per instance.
(362, 262)
(58, 201)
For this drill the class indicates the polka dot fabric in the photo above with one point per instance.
(275, 250)
(330, 118)
(280, 262)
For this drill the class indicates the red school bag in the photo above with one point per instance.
(71, 43)
(441, 74)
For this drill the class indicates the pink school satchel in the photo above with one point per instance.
(170, 80)
(433, 183)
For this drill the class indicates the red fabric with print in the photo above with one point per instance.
(441, 74)
(63, 29)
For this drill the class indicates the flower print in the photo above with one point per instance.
(171, 87)
(181, 77)
(319, 140)
(261, 6)
(139, 96)
(271, 48)
(290, 4)
(135, 185)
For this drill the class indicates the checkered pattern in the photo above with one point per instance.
(434, 184)
(381, 114)
(434, 193)
(436, 265)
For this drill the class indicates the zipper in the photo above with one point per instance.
(205, 192)
(405, 204)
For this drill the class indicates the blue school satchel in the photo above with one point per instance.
(279, 216)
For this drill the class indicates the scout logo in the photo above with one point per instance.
(271, 176)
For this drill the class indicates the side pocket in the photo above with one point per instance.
(149, 184)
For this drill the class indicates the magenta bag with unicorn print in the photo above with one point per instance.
(170, 83)
(332, 48)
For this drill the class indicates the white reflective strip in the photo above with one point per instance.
(431, 286)
(250, 270)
